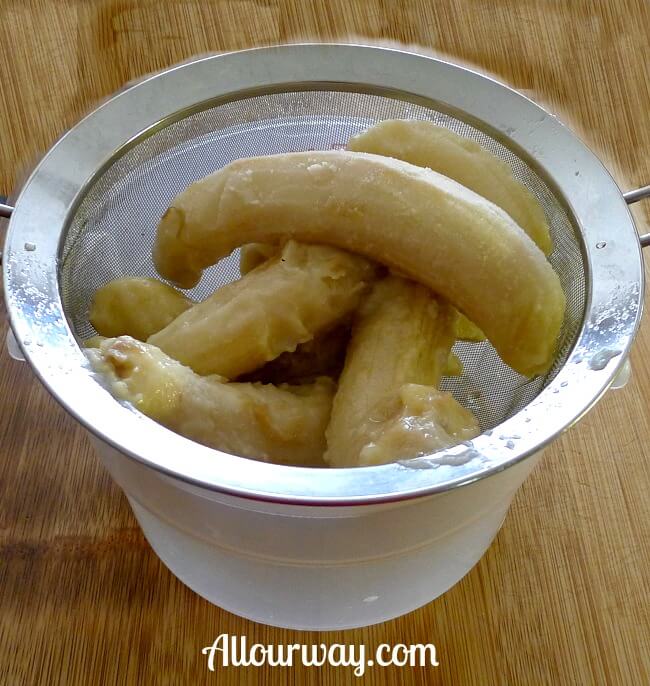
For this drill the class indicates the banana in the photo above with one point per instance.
(322, 356)
(454, 366)
(428, 420)
(412, 219)
(254, 254)
(275, 424)
(461, 159)
(94, 341)
(135, 306)
(402, 335)
(466, 331)
(286, 301)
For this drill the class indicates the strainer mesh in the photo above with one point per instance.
(111, 233)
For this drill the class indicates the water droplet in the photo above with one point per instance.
(601, 359)
(576, 173)
(606, 322)
(601, 244)
(564, 384)
(27, 341)
(510, 445)
(30, 247)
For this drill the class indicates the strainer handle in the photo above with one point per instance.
(5, 213)
(5, 210)
(635, 196)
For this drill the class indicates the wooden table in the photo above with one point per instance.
(562, 595)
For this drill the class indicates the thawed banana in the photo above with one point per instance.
(322, 356)
(454, 366)
(283, 424)
(286, 301)
(466, 331)
(429, 420)
(135, 306)
(254, 254)
(402, 336)
(461, 159)
(412, 219)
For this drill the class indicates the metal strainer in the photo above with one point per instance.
(89, 212)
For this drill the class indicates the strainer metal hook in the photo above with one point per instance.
(634, 196)
(5, 210)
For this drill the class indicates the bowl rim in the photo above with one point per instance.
(614, 271)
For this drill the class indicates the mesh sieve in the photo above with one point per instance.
(111, 232)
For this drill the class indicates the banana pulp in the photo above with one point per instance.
(323, 355)
(283, 424)
(254, 254)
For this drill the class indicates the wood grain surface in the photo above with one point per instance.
(562, 595)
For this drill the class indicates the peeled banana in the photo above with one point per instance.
(135, 306)
(466, 331)
(461, 159)
(402, 336)
(254, 254)
(322, 356)
(286, 301)
(283, 424)
(429, 420)
(454, 366)
(412, 219)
